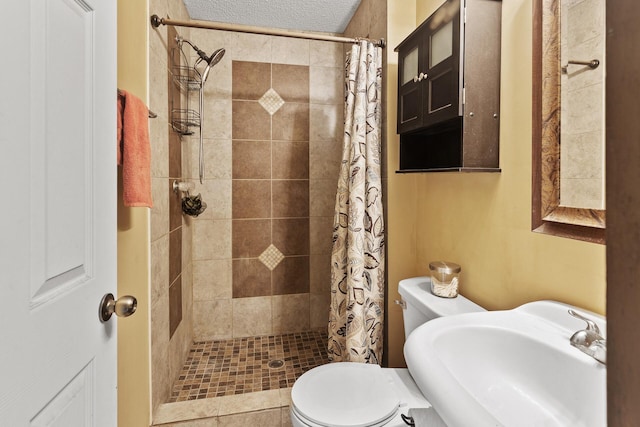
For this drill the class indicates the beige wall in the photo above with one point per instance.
(483, 221)
(133, 238)
(402, 201)
(170, 231)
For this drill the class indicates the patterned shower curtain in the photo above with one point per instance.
(357, 258)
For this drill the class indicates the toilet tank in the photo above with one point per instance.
(420, 305)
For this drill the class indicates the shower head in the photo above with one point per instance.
(215, 57)
(212, 60)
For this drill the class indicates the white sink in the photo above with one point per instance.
(509, 368)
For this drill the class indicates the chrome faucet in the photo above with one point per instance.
(589, 340)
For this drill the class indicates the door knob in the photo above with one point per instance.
(123, 307)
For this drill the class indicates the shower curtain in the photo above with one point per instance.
(357, 258)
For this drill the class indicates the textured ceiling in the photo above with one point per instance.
(331, 16)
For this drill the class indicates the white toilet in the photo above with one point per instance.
(355, 394)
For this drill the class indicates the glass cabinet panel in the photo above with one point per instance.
(410, 66)
(441, 44)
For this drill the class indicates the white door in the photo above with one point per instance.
(58, 212)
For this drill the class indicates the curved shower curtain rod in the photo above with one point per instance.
(156, 21)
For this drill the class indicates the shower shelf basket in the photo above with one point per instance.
(182, 120)
(186, 78)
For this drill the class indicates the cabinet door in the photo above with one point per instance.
(442, 99)
(410, 87)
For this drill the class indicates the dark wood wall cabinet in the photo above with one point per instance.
(449, 90)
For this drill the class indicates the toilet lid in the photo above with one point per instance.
(345, 394)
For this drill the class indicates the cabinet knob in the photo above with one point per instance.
(420, 77)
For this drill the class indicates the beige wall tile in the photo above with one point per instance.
(216, 193)
(217, 159)
(251, 316)
(378, 21)
(580, 75)
(585, 109)
(158, 42)
(326, 54)
(159, 140)
(212, 319)
(211, 279)
(250, 47)
(583, 193)
(325, 122)
(216, 118)
(290, 313)
(328, 85)
(210, 40)
(289, 51)
(218, 84)
(586, 20)
(160, 210)
(211, 239)
(582, 155)
(158, 94)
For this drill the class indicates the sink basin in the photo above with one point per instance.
(509, 368)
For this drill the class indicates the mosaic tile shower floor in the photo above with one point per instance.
(242, 365)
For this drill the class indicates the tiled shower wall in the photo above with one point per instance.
(171, 268)
(582, 111)
(273, 142)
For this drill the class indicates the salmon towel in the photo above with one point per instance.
(134, 150)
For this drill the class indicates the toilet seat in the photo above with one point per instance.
(344, 394)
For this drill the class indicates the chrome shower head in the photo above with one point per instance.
(211, 61)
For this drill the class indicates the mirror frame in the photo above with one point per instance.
(547, 216)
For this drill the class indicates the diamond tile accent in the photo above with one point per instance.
(271, 101)
(271, 257)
